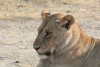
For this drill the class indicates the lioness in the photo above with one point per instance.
(62, 43)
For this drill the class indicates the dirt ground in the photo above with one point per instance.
(17, 35)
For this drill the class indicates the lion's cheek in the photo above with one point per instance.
(52, 50)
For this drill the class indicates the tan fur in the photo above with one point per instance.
(67, 44)
(44, 14)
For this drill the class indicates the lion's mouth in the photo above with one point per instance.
(46, 53)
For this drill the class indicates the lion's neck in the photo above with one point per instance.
(77, 46)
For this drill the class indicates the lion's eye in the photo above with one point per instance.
(48, 34)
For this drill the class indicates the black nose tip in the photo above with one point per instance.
(37, 48)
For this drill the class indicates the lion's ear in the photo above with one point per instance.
(66, 22)
(45, 14)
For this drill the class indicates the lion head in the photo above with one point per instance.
(54, 33)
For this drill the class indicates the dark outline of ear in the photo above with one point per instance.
(69, 19)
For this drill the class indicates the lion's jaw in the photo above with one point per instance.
(45, 56)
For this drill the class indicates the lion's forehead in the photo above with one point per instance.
(57, 16)
(50, 22)
(54, 17)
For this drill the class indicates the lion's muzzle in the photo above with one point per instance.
(46, 53)
(38, 49)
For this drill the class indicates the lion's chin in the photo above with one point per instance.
(44, 55)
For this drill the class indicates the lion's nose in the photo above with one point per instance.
(37, 48)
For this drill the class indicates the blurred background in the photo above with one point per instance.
(10, 9)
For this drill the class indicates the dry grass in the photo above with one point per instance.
(10, 9)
